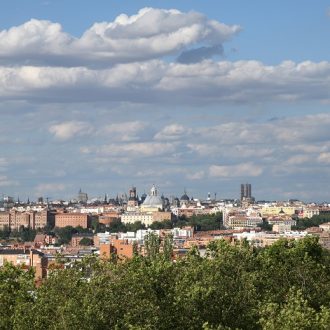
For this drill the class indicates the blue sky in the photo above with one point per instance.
(202, 95)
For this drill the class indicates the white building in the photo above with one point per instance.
(131, 217)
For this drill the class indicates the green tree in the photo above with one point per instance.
(302, 264)
(293, 314)
(166, 224)
(314, 221)
(86, 241)
(152, 245)
(16, 289)
(57, 304)
(168, 247)
(5, 233)
(135, 226)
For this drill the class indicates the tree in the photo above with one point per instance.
(16, 289)
(294, 314)
(165, 224)
(168, 247)
(86, 241)
(234, 286)
(5, 233)
(152, 245)
(314, 221)
(135, 226)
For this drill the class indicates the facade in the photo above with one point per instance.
(71, 219)
(39, 219)
(25, 258)
(161, 216)
(242, 221)
(144, 217)
(281, 221)
(14, 219)
(121, 249)
(4, 220)
(19, 219)
(246, 191)
(309, 212)
(277, 210)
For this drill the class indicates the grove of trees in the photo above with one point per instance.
(285, 286)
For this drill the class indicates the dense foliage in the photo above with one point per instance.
(285, 286)
(199, 222)
(23, 234)
(314, 221)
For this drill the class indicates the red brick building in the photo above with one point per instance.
(71, 219)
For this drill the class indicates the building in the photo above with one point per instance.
(120, 248)
(14, 219)
(4, 220)
(143, 217)
(25, 258)
(132, 203)
(82, 197)
(45, 239)
(325, 226)
(19, 219)
(41, 219)
(76, 238)
(152, 202)
(309, 212)
(243, 221)
(277, 211)
(71, 219)
(246, 191)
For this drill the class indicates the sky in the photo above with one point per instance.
(187, 95)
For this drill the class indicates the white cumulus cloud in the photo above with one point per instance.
(151, 33)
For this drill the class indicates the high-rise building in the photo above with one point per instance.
(246, 191)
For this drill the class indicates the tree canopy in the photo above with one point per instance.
(284, 286)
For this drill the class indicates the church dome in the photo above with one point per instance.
(184, 197)
(153, 200)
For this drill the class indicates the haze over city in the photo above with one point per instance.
(194, 95)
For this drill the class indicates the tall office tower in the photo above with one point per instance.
(246, 191)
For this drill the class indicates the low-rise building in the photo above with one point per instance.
(25, 258)
(242, 221)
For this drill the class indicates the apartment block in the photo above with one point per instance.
(71, 219)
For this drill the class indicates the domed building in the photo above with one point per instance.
(184, 200)
(152, 202)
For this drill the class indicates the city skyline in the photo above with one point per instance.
(197, 95)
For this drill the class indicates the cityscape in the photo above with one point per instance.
(164, 165)
(89, 226)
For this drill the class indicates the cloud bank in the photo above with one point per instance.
(151, 33)
(153, 98)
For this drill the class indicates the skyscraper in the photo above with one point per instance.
(246, 191)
